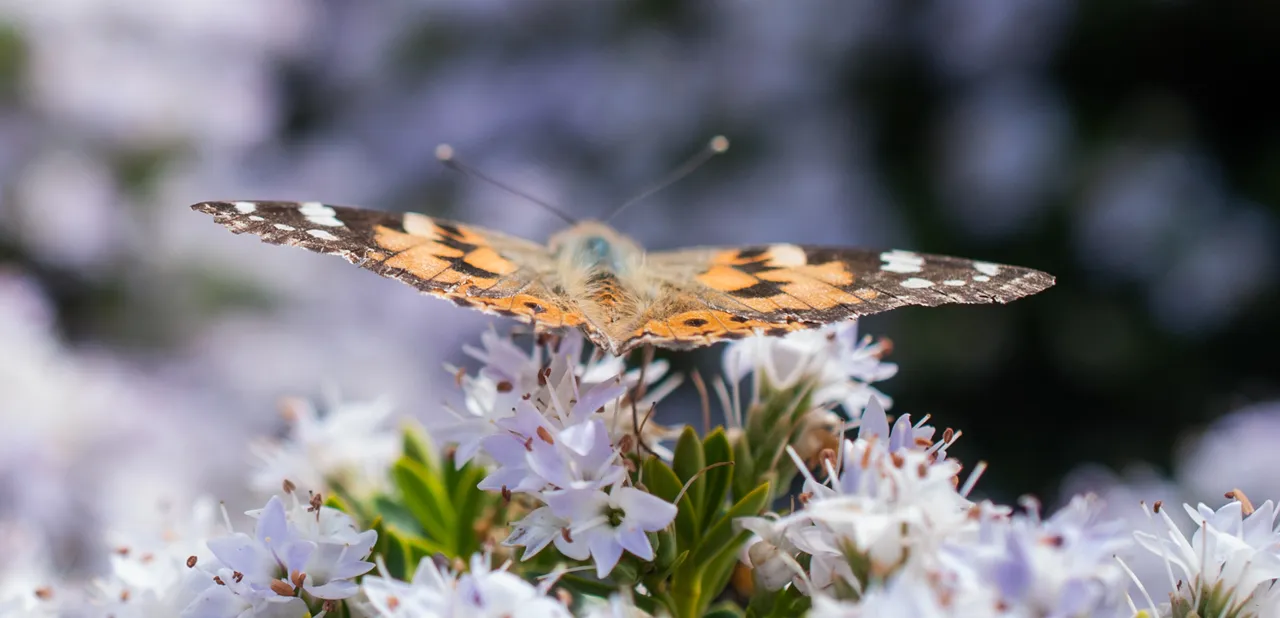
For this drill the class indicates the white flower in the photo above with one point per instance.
(619, 605)
(27, 577)
(840, 367)
(601, 524)
(879, 502)
(907, 594)
(563, 388)
(313, 548)
(348, 446)
(537, 530)
(151, 569)
(481, 592)
(1230, 565)
(769, 553)
(537, 453)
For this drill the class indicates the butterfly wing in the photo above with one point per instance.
(471, 266)
(728, 293)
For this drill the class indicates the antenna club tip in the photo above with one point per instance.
(719, 144)
(444, 152)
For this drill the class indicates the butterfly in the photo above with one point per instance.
(593, 278)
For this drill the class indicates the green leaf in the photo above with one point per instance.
(702, 578)
(395, 554)
(395, 513)
(688, 463)
(420, 548)
(591, 587)
(663, 483)
(425, 496)
(721, 534)
(717, 571)
(470, 502)
(726, 609)
(416, 446)
(716, 449)
(675, 564)
(744, 473)
(335, 501)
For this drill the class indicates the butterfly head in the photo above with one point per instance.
(594, 245)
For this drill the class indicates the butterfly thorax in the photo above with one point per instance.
(601, 266)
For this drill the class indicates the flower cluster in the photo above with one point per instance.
(437, 590)
(557, 431)
(302, 558)
(557, 471)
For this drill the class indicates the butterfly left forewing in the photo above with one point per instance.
(727, 293)
(469, 265)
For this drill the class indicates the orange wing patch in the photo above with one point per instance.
(780, 278)
(701, 326)
(534, 308)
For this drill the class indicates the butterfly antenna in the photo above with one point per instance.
(444, 153)
(717, 145)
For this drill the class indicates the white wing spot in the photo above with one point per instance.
(786, 255)
(256, 218)
(322, 235)
(987, 268)
(981, 278)
(245, 208)
(953, 282)
(917, 282)
(287, 228)
(897, 261)
(320, 214)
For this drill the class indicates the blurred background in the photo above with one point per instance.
(1129, 147)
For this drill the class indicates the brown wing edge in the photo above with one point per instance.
(357, 242)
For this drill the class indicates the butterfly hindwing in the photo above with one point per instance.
(471, 266)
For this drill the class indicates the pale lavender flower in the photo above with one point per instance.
(27, 577)
(349, 445)
(618, 605)
(565, 389)
(1062, 566)
(537, 530)
(882, 505)
(769, 553)
(837, 365)
(907, 594)
(482, 592)
(318, 550)
(602, 525)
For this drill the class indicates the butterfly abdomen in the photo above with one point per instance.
(604, 289)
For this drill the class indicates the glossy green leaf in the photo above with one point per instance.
(725, 610)
(415, 445)
(470, 503)
(716, 449)
(702, 578)
(717, 571)
(664, 483)
(688, 464)
(394, 513)
(395, 554)
(425, 496)
(744, 473)
(335, 501)
(722, 533)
